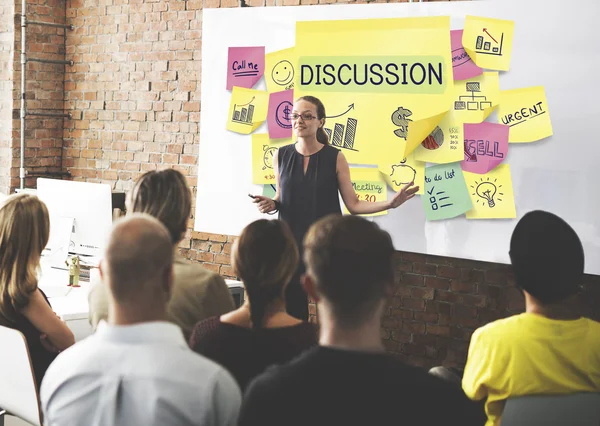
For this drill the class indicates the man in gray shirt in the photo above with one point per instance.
(137, 368)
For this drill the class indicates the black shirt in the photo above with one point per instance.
(326, 386)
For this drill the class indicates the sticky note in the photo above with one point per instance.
(444, 144)
(526, 112)
(463, 66)
(263, 149)
(381, 101)
(245, 66)
(492, 194)
(369, 187)
(400, 173)
(269, 190)
(446, 195)
(247, 110)
(489, 42)
(476, 98)
(280, 69)
(485, 146)
(279, 116)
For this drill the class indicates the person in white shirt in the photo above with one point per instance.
(137, 369)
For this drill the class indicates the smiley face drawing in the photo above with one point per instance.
(283, 73)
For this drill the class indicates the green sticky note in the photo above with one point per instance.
(269, 190)
(446, 194)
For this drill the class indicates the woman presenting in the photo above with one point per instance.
(309, 174)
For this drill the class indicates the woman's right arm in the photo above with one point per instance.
(41, 315)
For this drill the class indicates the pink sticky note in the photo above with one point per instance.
(279, 116)
(245, 66)
(486, 146)
(462, 64)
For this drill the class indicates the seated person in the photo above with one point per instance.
(24, 232)
(260, 333)
(137, 369)
(197, 292)
(348, 379)
(549, 349)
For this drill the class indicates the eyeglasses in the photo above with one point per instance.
(305, 117)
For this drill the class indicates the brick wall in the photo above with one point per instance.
(134, 92)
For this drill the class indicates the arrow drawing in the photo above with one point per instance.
(248, 102)
(351, 106)
(486, 31)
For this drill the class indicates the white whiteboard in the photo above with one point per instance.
(556, 44)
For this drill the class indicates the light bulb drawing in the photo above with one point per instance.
(487, 190)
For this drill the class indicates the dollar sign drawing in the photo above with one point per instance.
(286, 113)
(399, 118)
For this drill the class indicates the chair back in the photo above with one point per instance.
(18, 390)
(579, 409)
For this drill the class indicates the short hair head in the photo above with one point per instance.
(547, 257)
(165, 195)
(24, 232)
(265, 257)
(350, 259)
(138, 258)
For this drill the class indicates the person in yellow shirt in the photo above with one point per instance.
(548, 349)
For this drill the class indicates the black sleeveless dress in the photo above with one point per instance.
(304, 199)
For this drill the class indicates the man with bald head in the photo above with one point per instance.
(137, 368)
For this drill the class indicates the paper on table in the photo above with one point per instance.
(444, 144)
(247, 110)
(526, 112)
(486, 146)
(476, 98)
(489, 42)
(279, 116)
(369, 186)
(446, 195)
(263, 149)
(463, 66)
(245, 66)
(492, 194)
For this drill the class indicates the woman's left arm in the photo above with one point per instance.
(356, 206)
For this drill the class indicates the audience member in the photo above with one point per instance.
(549, 349)
(260, 333)
(197, 293)
(24, 232)
(137, 369)
(349, 379)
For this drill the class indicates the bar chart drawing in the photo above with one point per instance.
(343, 136)
(488, 45)
(472, 102)
(242, 114)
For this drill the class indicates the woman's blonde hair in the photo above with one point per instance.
(24, 232)
(265, 257)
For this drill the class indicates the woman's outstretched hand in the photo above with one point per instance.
(406, 193)
(264, 204)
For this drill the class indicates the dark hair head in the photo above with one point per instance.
(321, 135)
(165, 195)
(351, 261)
(547, 257)
(265, 258)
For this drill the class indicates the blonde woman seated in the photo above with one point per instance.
(24, 232)
(197, 292)
(260, 333)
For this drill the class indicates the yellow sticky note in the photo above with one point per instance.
(247, 110)
(526, 112)
(492, 194)
(489, 42)
(369, 186)
(443, 145)
(476, 98)
(404, 171)
(263, 149)
(280, 70)
(381, 98)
